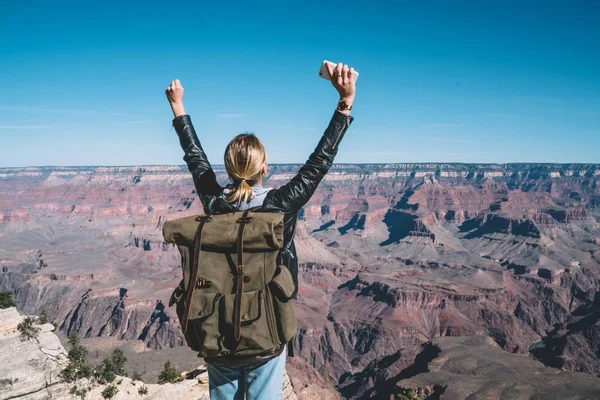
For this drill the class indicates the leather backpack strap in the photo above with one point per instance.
(239, 276)
(194, 272)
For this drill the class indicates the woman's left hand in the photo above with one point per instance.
(175, 95)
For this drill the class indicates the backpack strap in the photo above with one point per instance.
(239, 276)
(194, 272)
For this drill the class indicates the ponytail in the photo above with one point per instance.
(242, 192)
(244, 159)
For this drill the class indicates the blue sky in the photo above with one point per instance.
(440, 81)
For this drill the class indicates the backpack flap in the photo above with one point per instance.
(250, 310)
(204, 305)
(264, 233)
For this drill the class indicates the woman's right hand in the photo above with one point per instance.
(344, 81)
(175, 95)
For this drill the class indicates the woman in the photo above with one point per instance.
(246, 164)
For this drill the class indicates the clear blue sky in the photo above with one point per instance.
(444, 81)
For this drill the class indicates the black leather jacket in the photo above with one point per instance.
(288, 199)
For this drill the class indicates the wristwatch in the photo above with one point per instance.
(342, 106)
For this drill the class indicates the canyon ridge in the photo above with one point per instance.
(448, 280)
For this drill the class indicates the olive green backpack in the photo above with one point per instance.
(234, 299)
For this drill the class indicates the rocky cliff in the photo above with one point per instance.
(392, 256)
(29, 370)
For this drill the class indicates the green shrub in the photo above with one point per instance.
(81, 392)
(77, 366)
(43, 318)
(77, 353)
(169, 374)
(6, 300)
(406, 394)
(112, 366)
(110, 391)
(7, 382)
(28, 329)
(143, 390)
(118, 361)
(104, 373)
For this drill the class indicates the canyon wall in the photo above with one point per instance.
(392, 256)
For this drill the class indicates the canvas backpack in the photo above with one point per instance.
(235, 297)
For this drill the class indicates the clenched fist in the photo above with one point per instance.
(175, 95)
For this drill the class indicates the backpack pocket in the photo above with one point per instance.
(282, 285)
(257, 328)
(202, 333)
(282, 288)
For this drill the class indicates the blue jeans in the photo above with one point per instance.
(257, 382)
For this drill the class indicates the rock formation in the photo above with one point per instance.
(29, 370)
(391, 257)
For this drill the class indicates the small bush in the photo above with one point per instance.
(7, 382)
(43, 318)
(105, 373)
(110, 391)
(169, 374)
(6, 300)
(77, 367)
(112, 366)
(118, 361)
(406, 394)
(143, 390)
(77, 353)
(28, 329)
(81, 392)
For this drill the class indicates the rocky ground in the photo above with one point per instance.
(30, 368)
(392, 257)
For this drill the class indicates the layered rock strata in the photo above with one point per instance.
(392, 256)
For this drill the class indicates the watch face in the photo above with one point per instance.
(342, 105)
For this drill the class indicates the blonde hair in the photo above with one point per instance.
(245, 157)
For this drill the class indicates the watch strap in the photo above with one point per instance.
(342, 106)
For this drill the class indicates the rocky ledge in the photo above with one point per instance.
(30, 368)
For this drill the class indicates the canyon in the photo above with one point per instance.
(398, 263)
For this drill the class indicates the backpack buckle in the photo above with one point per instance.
(203, 218)
(244, 220)
(202, 283)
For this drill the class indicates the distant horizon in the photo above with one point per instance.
(300, 164)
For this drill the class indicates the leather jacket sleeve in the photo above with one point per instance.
(291, 197)
(197, 162)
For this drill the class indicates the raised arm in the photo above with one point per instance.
(194, 156)
(293, 195)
